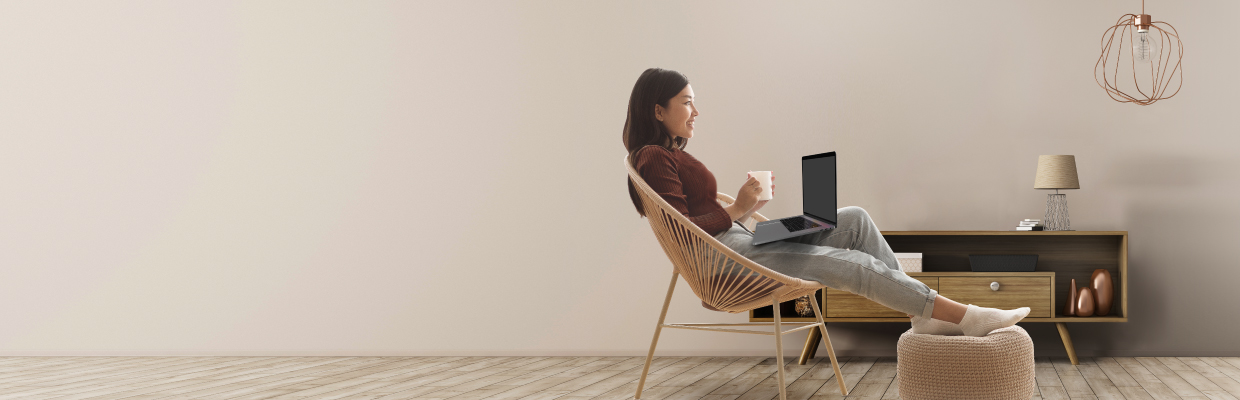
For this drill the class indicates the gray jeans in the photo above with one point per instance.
(853, 257)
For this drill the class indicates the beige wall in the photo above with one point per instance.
(445, 177)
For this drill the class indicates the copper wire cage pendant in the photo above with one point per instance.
(1162, 72)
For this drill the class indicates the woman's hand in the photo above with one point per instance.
(761, 203)
(757, 206)
(747, 197)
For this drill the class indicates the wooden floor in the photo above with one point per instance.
(567, 378)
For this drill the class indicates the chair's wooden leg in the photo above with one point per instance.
(1067, 342)
(779, 349)
(811, 346)
(822, 325)
(657, 328)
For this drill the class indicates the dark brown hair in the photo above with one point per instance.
(641, 128)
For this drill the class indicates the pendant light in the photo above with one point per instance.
(1148, 50)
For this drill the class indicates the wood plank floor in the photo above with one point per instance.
(567, 378)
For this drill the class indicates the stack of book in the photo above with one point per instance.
(1029, 225)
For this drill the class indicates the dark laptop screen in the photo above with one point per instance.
(818, 185)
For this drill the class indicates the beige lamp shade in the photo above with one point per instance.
(1056, 172)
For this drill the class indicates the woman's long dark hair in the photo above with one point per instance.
(641, 128)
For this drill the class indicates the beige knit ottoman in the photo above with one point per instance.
(993, 367)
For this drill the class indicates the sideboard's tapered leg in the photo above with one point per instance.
(813, 351)
(811, 347)
(1067, 342)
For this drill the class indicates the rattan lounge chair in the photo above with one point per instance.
(723, 279)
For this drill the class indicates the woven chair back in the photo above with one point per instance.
(721, 277)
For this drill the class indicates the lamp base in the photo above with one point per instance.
(1056, 218)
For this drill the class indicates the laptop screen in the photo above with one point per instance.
(818, 186)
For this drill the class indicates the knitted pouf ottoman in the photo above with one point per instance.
(992, 367)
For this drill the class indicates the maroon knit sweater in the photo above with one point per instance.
(685, 184)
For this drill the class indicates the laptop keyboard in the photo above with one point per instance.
(798, 224)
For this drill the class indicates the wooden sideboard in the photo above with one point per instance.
(1062, 256)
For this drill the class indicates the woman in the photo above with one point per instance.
(853, 256)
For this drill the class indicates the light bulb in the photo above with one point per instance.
(1145, 46)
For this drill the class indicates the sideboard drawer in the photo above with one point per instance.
(841, 304)
(1014, 291)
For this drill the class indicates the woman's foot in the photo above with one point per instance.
(979, 321)
(931, 326)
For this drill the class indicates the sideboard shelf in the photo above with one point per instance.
(1062, 257)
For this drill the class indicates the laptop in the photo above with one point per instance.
(817, 203)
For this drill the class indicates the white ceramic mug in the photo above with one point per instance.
(764, 180)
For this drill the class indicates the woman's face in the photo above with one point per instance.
(679, 114)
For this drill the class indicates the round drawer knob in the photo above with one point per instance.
(994, 286)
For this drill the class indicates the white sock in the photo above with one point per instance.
(979, 321)
(931, 326)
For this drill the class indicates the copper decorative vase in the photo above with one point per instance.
(1069, 309)
(1085, 302)
(1100, 282)
(803, 308)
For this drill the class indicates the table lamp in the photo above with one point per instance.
(1056, 172)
